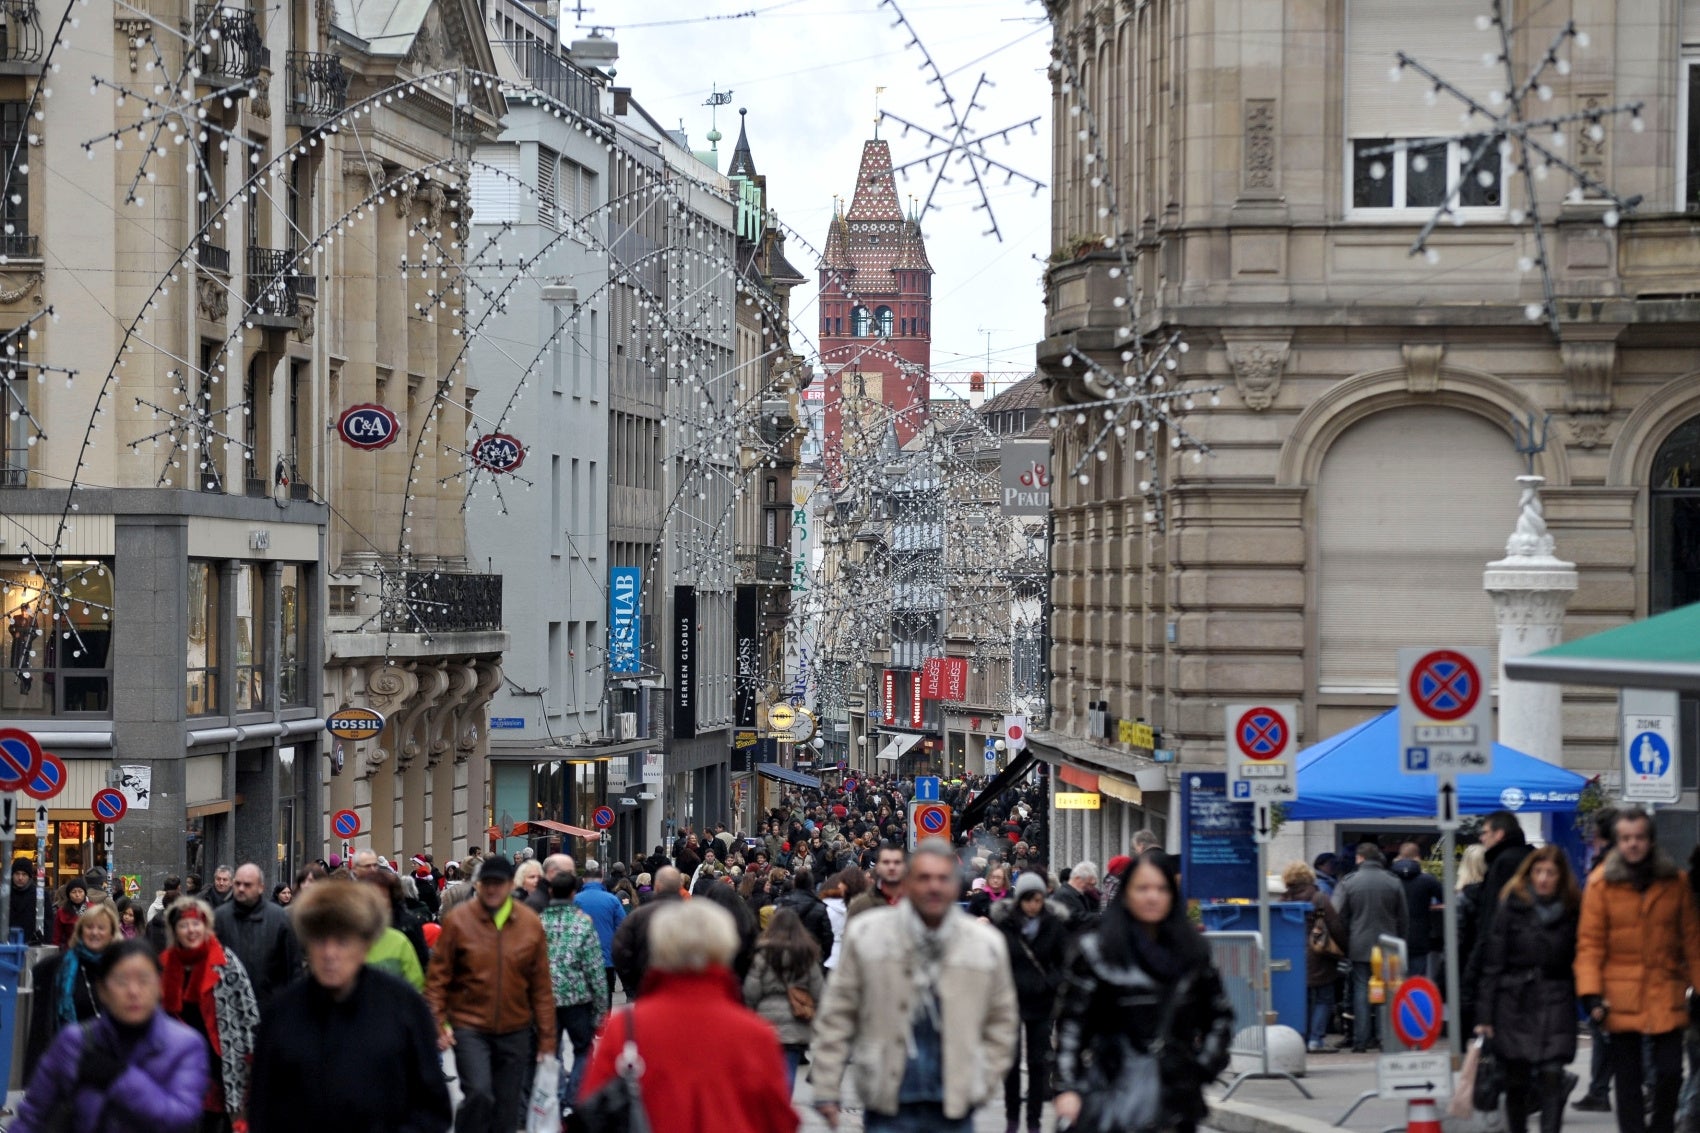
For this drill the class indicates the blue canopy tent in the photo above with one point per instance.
(1356, 775)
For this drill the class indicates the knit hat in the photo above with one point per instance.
(1029, 883)
(1116, 864)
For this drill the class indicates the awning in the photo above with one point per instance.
(898, 745)
(1075, 777)
(561, 828)
(1119, 788)
(970, 815)
(786, 775)
(1659, 652)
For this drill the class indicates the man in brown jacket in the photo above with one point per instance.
(1637, 954)
(489, 988)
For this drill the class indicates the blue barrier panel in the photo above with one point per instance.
(1287, 928)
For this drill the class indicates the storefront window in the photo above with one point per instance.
(202, 652)
(250, 637)
(58, 638)
(292, 675)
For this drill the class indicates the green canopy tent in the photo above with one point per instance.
(1661, 652)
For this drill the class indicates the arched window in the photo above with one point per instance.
(1675, 575)
(861, 322)
(884, 318)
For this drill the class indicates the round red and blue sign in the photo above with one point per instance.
(1445, 685)
(1261, 734)
(346, 823)
(932, 818)
(1416, 1013)
(602, 817)
(109, 805)
(20, 759)
(498, 452)
(49, 780)
(368, 426)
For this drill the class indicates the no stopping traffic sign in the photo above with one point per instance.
(346, 823)
(20, 759)
(109, 805)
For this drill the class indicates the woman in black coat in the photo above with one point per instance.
(1142, 984)
(1038, 938)
(1527, 994)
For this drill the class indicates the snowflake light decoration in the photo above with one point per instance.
(193, 429)
(1532, 145)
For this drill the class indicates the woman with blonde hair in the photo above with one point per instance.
(1325, 944)
(65, 983)
(1472, 872)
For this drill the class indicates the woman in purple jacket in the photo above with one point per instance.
(132, 1070)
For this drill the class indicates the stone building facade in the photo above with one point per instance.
(1218, 165)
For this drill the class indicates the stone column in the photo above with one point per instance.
(1530, 588)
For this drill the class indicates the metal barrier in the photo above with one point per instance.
(1240, 962)
(1391, 947)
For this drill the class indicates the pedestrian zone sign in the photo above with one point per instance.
(1650, 747)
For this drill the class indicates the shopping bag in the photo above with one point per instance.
(544, 1116)
(1463, 1102)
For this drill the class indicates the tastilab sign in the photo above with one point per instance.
(625, 607)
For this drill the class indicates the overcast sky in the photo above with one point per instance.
(806, 71)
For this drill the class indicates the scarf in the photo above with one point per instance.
(65, 1004)
(189, 976)
(930, 945)
(1549, 909)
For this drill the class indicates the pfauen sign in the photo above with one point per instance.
(368, 426)
(1025, 477)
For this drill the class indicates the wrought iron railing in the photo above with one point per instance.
(426, 601)
(272, 283)
(213, 258)
(318, 86)
(21, 39)
(771, 564)
(17, 245)
(237, 51)
(553, 75)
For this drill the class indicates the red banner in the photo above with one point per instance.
(890, 691)
(945, 678)
(916, 704)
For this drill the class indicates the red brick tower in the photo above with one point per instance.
(876, 305)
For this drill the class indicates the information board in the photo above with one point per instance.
(1218, 854)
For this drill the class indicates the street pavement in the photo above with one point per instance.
(1336, 1080)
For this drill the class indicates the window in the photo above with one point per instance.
(58, 652)
(1393, 125)
(861, 322)
(292, 636)
(209, 195)
(16, 424)
(202, 649)
(495, 185)
(15, 239)
(251, 421)
(202, 462)
(548, 204)
(250, 637)
(883, 319)
(1675, 576)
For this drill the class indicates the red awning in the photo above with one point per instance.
(1075, 777)
(563, 828)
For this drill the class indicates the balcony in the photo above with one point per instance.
(237, 49)
(275, 287)
(18, 246)
(554, 76)
(213, 258)
(21, 40)
(318, 87)
(428, 601)
(772, 565)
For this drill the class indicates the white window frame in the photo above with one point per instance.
(1456, 157)
(1686, 62)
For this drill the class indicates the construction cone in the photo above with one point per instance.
(1422, 1117)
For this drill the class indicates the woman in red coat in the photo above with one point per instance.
(690, 991)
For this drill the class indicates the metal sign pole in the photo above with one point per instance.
(1264, 991)
(8, 838)
(1454, 962)
(41, 859)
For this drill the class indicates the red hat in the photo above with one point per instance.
(431, 930)
(1117, 864)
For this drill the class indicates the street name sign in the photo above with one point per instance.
(1414, 1075)
(1651, 746)
(1262, 750)
(1445, 711)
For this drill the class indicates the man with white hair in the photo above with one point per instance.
(1078, 896)
(553, 866)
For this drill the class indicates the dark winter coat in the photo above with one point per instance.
(22, 912)
(631, 942)
(1108, 1006)
(262, 939)
(1527, 992)
(159, 1090)
(1423, 892)
(1502, 863)
(1371, 904)
(301, 1080)
(1079, 910)
(1321, 969)
(1036, 962)
(44, 1024)
(814, 916)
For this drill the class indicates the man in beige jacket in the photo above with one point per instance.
(923, 1000)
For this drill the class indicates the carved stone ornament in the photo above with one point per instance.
(1530, 539)
(1590, 365)
(212, 301)
(1258, 365)
(260, 105)
(1422, 366)
(137, 32)
(304, 322)
(1588, 430)
(1259, 155)
(9, 295)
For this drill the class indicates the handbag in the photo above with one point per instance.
(1321, 941)
(1133, 1102)
(1463, 1103)
(802, 1003)
(1490, 1082)
(618, 1106)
